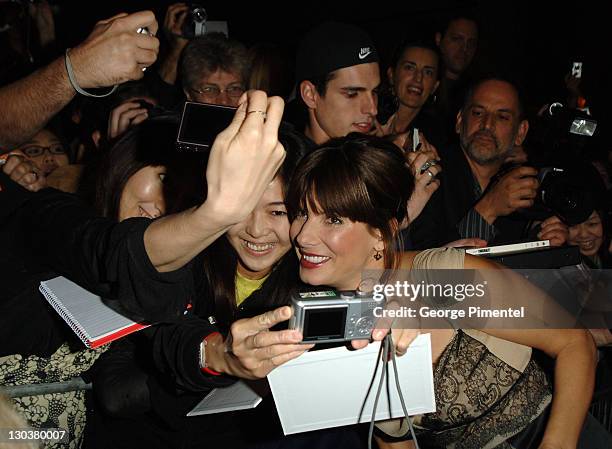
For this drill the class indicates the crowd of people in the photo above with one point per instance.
(359, 167)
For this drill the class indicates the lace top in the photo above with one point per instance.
(487, 389)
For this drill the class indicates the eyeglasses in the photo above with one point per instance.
(36, 150)
(214, 91)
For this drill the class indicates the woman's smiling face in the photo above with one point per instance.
(588, 235)
(263, 237)
(333, 250)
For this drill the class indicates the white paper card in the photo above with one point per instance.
(238, 396)
(336, 387)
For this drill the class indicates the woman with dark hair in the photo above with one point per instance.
(592, 240)
(247, 271)
(253, 255)
(414, 77)
(128, 179)
(143, 262)
(345, 220)
(129, 184)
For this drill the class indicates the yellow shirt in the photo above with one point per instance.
(246, 286)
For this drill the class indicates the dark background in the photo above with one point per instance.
(532, 41)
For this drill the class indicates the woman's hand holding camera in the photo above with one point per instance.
(251, 350)
(244, 159)
(242, 162)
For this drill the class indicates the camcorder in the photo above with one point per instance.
(329, 316)
(195, 22)
(200, 124)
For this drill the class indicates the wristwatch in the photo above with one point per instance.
(202, 356)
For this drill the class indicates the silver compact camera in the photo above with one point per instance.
(327, 316)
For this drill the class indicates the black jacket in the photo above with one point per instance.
(437, 224)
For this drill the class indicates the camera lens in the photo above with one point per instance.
(199, 14)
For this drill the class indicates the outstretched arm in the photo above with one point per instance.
(575, 359)
(113, 53)
(243, 161)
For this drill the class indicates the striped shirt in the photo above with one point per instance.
(473, 224)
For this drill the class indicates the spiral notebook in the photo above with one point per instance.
(94, 322)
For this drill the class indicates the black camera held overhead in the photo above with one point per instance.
(561, 134)
(195, 22)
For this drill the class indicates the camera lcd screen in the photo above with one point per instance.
(324, 324)
(202, 122)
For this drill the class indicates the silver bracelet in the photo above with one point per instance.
(75, 85)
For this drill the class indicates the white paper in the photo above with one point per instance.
(238, 396)
(329, 388)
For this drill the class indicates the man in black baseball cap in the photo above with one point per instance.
(338, 77)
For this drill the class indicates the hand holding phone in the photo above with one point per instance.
(200, 124)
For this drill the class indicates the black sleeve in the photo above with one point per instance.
(175, 350)
(103, 256)
(429, 229)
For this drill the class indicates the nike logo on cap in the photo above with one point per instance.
(364, 52)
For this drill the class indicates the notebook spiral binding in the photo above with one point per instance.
(65, 314)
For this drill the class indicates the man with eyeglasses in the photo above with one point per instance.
(213, 70)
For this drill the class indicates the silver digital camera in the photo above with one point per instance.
(328, 316)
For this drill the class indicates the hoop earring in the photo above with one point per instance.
(377, 255)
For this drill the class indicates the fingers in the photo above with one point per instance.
(233, 128)
(402, 338)
(257, 105)
(284, 358)
(380, 332)
(359, 344)
(175, 16)
(422, 161)
(557, 238)
(124, 116)
(274, 115)
(523, 171)
(555, 230)
(268, 339)
(525, 194)
(146, 42)
(25, 173)
(470, 242)
(13, 160)
(144, 57)
(140, 19)
(551, 220)
(428, 147)
(112, 19)
(521, 204)
(266, 320)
